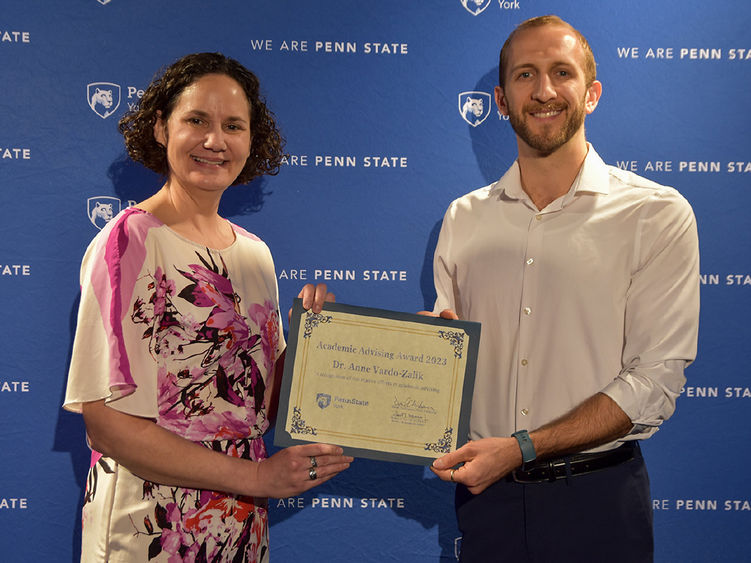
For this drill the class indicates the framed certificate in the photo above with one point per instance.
(380, 384)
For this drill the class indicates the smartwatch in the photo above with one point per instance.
(526, 446)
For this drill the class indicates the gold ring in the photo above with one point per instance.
(452, 475)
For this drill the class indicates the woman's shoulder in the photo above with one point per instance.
(250, 246)
(131, 221)
(242, 233)
(126, 232)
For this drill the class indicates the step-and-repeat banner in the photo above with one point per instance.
(372, 99)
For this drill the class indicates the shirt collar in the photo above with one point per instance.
(593, 177)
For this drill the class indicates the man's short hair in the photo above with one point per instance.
(590, 67)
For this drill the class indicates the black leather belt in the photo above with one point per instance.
(576, 464)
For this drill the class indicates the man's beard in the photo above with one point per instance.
(544, 143)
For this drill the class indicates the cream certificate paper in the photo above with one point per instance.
(381, 384)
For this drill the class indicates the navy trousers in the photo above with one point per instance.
(604, 516)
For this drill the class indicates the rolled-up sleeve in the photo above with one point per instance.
(662, 313)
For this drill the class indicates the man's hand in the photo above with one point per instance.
(485, 462)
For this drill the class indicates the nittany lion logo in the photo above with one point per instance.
(474, 7)
(103, 98)
(323, 400)
(102, 209)
(474, 107)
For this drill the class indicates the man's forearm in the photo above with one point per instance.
(596, 421)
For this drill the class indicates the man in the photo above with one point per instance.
(586, 281)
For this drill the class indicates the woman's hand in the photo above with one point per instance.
(296, 469)
(156, 454)
(313, 297)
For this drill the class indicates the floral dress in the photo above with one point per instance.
(187, 336)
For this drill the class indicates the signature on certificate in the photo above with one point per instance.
(412, 404)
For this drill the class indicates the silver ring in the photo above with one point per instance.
(313, 462)
(452, 475)
(312, 474)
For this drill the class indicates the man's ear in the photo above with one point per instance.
(594, 93)
(500, 100)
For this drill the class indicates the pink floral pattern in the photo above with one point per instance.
(209, 390)
(195, 525)
(210, 359)
(266, 317)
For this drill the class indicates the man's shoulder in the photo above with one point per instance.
(476, 197)
(632, 185)
(627, 179)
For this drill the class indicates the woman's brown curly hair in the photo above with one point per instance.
(137, 126)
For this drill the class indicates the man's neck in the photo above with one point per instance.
(546, 178)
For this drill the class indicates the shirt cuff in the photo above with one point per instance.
(647, 394)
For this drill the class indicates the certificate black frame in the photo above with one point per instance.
(282, 438)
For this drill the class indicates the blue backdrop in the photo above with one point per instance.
(368, 95)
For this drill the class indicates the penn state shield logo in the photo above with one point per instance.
(101, 209)
(475, 7)
(323, 400)
(474, 107)
(103, 98)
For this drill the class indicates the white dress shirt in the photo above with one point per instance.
(598, 292)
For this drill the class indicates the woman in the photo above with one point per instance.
(179, 340)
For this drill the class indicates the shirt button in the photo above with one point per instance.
(524, 362)
(538, 217)
(527, 311)
(525, 412)
(530, 261)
